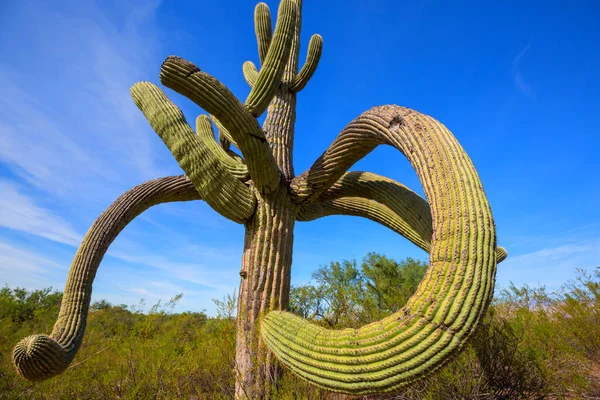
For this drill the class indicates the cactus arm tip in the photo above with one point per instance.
(39, 357)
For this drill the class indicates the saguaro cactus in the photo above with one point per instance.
(259, 189)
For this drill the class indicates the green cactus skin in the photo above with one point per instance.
(40, 357)
(260, 190)
(215, 183)
(315, 48)
(263, 29)
(455, 292)
(380, 199)
(270, 74)
(230, 161)
(250, 73)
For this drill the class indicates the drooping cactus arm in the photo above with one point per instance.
(40, 357)
(455, 292)
(382, 200)
(263, 29)
(205, 133)
(221, 190)
(315, 48)
(187, 79)
(376, 212)
(271, 71)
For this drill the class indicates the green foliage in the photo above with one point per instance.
(532, 344)
(346, 295)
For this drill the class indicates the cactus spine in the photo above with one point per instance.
(259, 189)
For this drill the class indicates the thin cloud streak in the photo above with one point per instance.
(552, 235)
(550, 266)
(522, 85)
(79, 132)
(19, 212)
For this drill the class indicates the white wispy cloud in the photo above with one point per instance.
(21, 267)
(18, 211)
(71, 129)
(520, 82)
(551, 266)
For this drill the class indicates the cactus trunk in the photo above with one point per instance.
(265, 286)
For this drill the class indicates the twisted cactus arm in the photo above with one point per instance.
(455, 292)
(40, 357)
(187, 79)
(263, 29)
(315, 48)
(382, 200)
(206, 135)
(269, 77)
(221, 190)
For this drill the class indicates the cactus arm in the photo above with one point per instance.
(409, 213)
(40, 357)
(250, 73)
(263, 30)
(455, 292)
(271, 72)
(187, 79)
(387, 216)
(225, 137)
(221, 190)
(315, 48)
(234, 165)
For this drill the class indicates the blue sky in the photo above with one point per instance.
(516, 82)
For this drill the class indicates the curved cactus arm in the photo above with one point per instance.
(205, 133)
(225, 137)
(389, 217)
(273, 67)
(204, 90)
(315, 49)
(263, 30)
(394, 205)
(40, 357)
(221, 190)
(250, 73)
(455, 292)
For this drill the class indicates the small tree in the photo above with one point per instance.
(261, 191)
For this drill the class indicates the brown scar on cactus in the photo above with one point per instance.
(260, 190)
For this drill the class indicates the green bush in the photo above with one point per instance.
(532, 344)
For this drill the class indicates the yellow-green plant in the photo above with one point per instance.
(260, 190)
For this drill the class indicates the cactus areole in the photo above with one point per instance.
(259, 189)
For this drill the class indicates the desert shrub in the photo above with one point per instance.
(532, 343)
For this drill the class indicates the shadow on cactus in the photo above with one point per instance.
(260, 190)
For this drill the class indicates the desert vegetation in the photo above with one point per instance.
(532, 343)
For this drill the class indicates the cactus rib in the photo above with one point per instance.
(315, 48)
(40, 357)
(271, 71)
(455, 292)
(263, 29)
(250, 73)
(205, 133)
(392, 218)
(382, 200)
(215, 184)
(187, 79)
